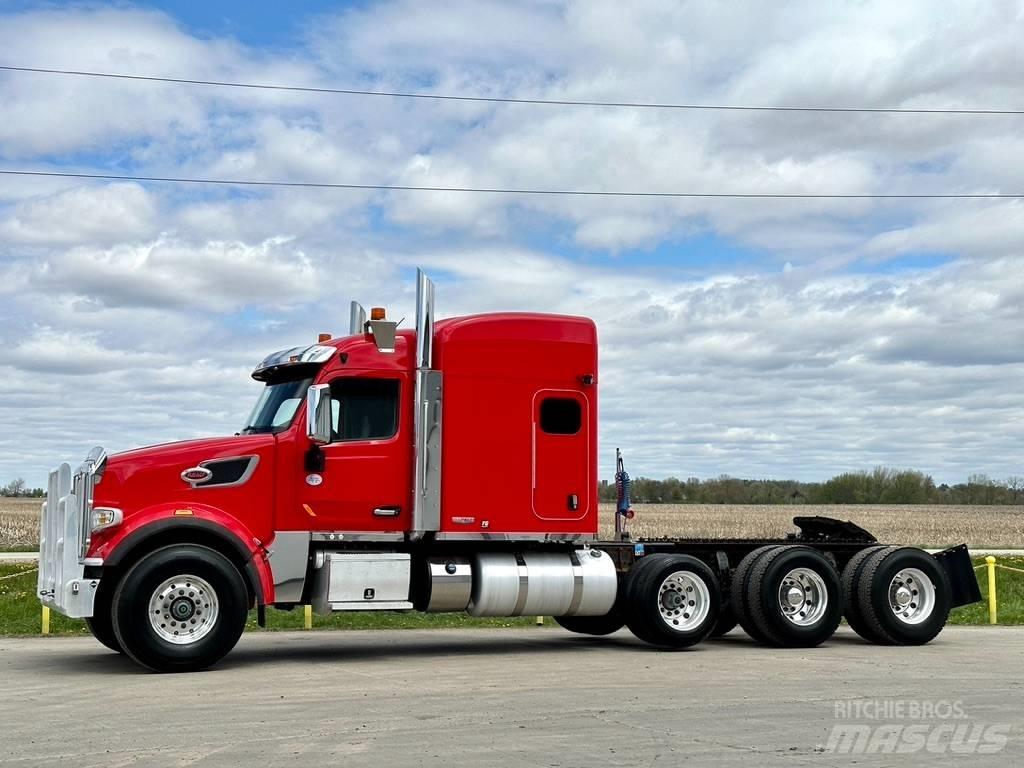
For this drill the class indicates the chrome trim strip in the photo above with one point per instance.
(482, 536)
(577, 583)
(342, 536)
(524, 588)
(254, 461)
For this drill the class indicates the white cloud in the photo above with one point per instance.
(103, 215)
(751, 336)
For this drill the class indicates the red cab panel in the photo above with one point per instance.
(500, 473)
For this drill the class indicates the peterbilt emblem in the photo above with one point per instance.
(194, 475)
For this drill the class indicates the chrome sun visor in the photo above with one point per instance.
(317, 354)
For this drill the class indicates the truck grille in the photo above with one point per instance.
(64, 537)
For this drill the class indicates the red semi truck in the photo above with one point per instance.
(449, 467)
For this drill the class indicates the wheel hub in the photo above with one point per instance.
(183, 609)
(803, 596)
(795, 597)
(902, 596)
(912, 596)
(683, 601)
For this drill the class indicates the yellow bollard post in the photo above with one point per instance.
(992, 616)
(46, 620)
(307, 617)
(540, 621)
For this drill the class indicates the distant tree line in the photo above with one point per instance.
(879, 486)
(17, 488)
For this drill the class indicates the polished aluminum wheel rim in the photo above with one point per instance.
(183, 609)
(803, 596)
(911, 596)
(684, 601)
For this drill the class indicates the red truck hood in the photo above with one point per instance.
(133, 478)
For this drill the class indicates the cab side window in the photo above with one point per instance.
(365, 409)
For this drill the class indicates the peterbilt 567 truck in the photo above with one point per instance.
(448, 467)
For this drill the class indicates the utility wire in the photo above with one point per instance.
(519, 191)
(501, 100)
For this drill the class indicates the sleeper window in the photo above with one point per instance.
(560, 416)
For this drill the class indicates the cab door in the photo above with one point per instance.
(561, 461)
(364, 483)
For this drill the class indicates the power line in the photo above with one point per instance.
(502, 100)
(519, 191)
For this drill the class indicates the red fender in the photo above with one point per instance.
(113, 544)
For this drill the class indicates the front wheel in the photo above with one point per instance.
(180, 609)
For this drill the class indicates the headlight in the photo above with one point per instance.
(105, 517)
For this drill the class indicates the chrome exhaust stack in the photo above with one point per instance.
(426, 511)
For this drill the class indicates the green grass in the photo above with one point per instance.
(20, 614)
(1009, 592)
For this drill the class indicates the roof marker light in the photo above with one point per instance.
(377, 313)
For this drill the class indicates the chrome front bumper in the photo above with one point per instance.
(65, 528)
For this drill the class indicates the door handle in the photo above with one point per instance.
(387, 511)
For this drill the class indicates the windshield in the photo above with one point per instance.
(276, 407)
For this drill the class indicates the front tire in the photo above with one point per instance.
(180, 609)
(101, 623)
(672, 601)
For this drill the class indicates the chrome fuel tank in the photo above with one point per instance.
(579, 583)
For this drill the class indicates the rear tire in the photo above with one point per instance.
(794, 597)
(726, 623)
(738, 591)
(672, 601)
(904, 596)
(851, 581)
(180, 608)
(593, 625)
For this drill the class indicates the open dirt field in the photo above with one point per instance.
(19, 523)
(932, 526)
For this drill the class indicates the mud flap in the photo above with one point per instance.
(956, 561)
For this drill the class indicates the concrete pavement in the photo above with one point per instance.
(475, 698)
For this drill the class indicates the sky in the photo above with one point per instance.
(751, 337)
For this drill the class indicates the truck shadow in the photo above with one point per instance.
(342, 647)
(298, 648)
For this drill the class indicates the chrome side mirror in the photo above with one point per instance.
(318, 414)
